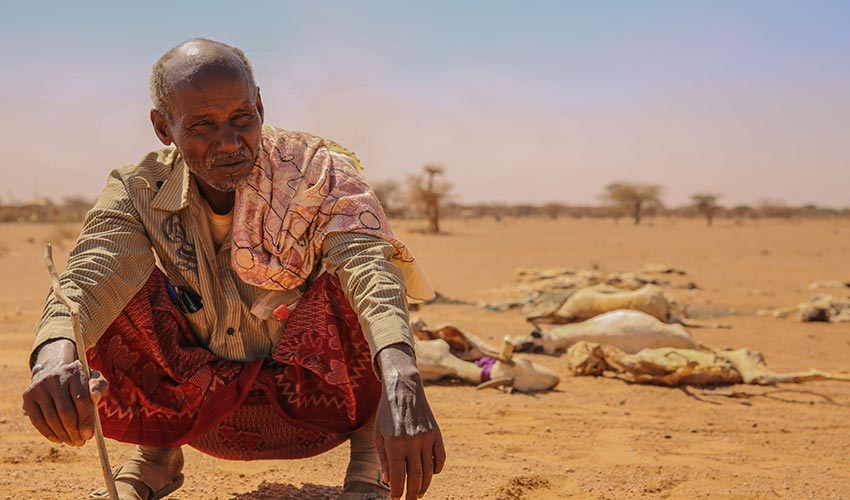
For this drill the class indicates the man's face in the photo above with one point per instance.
(215, 122)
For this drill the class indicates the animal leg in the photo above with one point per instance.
(694, 323)
(770, 378)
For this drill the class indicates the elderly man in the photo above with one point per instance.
(242, 293)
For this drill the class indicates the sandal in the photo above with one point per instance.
(363, 476)
(138, 471)
(363, 482)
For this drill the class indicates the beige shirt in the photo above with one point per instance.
(152, 213)
(220, 225)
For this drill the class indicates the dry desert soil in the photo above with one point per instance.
(592, 438)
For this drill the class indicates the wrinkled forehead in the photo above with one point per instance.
(188, 72)
(216, 95)
(206, 87)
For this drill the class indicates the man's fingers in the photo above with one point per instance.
(98, 386)
(84, 409)
(427, 468)
(439, 454)
(67, 410)
(382, 455)
(37, 418)
(414, 474)
(397, 470)
(51, 417)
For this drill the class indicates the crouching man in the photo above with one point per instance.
(242, 293)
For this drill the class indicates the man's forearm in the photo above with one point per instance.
(409, 441)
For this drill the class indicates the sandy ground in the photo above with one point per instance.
(591, 438)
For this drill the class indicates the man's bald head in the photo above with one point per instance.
(191, 59)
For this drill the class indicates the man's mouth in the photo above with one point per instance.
(231, 164)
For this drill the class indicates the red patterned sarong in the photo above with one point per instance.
(166, 390)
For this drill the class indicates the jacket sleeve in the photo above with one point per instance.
(374, 287)
(110, 262)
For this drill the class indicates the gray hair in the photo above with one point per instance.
(159, 86)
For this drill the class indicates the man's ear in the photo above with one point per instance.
(161, 128)
(259, 105)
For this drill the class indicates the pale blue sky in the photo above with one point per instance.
(521, 102)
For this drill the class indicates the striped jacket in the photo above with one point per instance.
(152, 214)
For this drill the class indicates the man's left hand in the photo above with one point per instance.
(406, 433)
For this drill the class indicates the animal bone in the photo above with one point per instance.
(673, 367)
(628, 330)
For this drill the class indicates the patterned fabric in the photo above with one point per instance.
(166, 390)
(151, 213)
(303, 188)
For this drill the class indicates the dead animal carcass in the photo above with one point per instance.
(449, 352)
(673, 367)
(593, 301)
(625, 329)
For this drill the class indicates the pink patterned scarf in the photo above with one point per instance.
(301, 189)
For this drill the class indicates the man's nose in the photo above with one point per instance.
(228, 140)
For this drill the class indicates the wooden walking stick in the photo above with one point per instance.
(81, 354)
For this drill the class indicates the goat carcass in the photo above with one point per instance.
(628, 330)
(673, 367)
(441, 357)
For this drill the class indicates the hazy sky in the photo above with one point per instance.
(519, 101)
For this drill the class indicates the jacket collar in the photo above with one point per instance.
(174, 193)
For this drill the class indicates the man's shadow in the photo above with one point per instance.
(278, 491)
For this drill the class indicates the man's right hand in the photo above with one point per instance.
(59, 401)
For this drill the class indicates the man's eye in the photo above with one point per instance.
(243, 118)
(202, 124)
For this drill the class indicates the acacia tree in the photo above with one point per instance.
(553, 210)
(706, 204)
(633, 198)
(428, 193)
